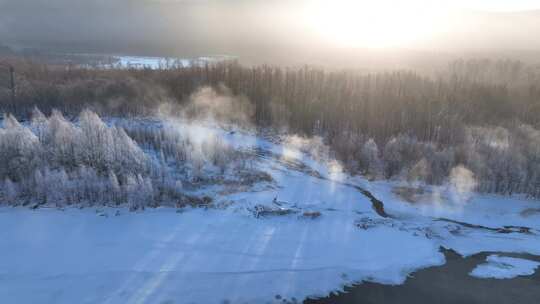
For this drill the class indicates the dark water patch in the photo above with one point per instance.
(504, 229)
(377, 204)
(446, 284)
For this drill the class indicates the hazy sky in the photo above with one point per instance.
(486, 5)
(489, 5)
(497, 5)
(267, 28)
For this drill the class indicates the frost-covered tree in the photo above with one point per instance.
(38, 123)
(126, 156)
(61, 141)
(10, 191)
(19, 150)
(56, 161)
(40, 188)
(96, 142)
(114, 190)
(369, 159)
(131, 188)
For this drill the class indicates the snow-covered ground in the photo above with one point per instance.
(242, 251)
(499, 267)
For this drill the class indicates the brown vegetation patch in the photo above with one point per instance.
(311, 214)
(411, 195)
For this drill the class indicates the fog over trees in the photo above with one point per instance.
(479, 114)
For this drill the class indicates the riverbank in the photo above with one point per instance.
(449, 283)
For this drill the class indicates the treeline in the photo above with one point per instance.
(481, 114)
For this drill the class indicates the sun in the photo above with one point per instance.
(376, 24)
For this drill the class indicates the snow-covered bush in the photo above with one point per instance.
(498, 159)
(502, 160)
(369, 160)
(195, 150)
(401, 153)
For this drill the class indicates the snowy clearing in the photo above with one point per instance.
(256, 244)
(498, 267)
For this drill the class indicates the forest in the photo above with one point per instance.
(481, 116)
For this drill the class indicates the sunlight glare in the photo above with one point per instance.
(375, 24)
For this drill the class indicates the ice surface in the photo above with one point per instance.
(498, 267)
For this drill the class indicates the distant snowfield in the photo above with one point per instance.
(228, 255)
(141, 62)
(498, 267)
